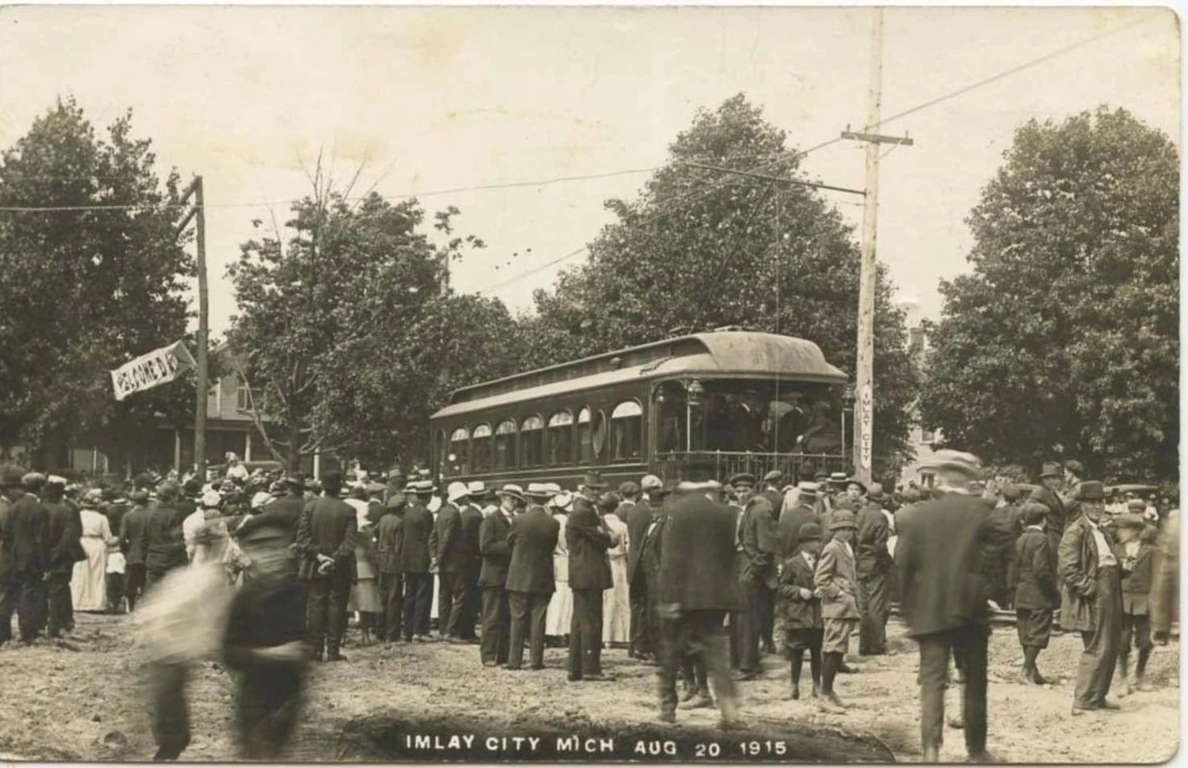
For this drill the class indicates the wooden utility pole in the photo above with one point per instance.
(864, 389)
(198, 213)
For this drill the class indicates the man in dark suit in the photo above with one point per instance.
(417, 556)
(472, 558)
(793, 519)
(1036, 593)
(64, 532)
(164, 539)
(589, 575)
(132, 544)
(695, 588)
(326, 536)
(389, 539)
(938, 559)
(451, 562)
(769, 489)
(757, 537)
(639, 518)
(1052, 479)
(493, 646)
(26, 550)
(532, 539)
(282, 514)
(873, 564)
(1091, 597)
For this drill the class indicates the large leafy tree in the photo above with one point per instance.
(85, 289)
(698, 249)
(348, 338)
(1063, 340)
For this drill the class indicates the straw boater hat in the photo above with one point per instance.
(774, 476)
(650, 483)
(512, 490)
(538, 492)
(477, 489)
(553, 488)
(808, 489)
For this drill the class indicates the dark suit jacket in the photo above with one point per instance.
(468, 538)
(789, 525)
(1137, 579)
(589, 567)
(495, 550)
(448, 527)
(132, 535)
(420, 538)
(938, 558)
(532, 538)
(65, 530)
(776, 500)
(1057, 515)
(328, 526)
(870, 545)
(164, 540)
(697, 556)
(759, 542)
(28, 537)
(284, 513)
(1035, 588)
(639, 517)
(797, 612)
(389, 536)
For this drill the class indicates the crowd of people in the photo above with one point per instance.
(701, 579)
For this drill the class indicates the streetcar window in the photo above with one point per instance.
(532, 442)
(598, 436)
(559, 439)
(458, 452)
(626, 431)
(505, 445)
(480, 449)
(584, 437)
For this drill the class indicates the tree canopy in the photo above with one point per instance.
(697, 249)
(84, 290)
(1063, 340)
(349, 341)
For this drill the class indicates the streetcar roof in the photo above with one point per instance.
(744, 354)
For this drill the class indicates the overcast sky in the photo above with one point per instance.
(441, 98)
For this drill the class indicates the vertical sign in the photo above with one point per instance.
(866, 415)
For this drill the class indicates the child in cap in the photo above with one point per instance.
(800, 607)
(1136, 547)
(836, 579)
(1036, 592)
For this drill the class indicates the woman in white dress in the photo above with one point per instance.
(88, 583)
(616, 603)
(560, 611)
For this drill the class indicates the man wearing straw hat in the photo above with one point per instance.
(532, 540)
(472, 521)
(416, 559)
(451, 561)
(639, 519)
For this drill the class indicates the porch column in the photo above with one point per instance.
(177, 449)
(247, 446)
(317, 465)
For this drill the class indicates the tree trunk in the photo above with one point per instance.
(423, 737)
(293, 457)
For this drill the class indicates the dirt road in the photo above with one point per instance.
(81, 700)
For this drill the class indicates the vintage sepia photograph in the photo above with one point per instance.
(590, 384)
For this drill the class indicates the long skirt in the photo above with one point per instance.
(560, 612)
(88, 583)
(365, 596)
(616, 605)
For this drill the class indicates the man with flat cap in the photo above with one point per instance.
(938, 559)
(588, 540)
(769, 488)
(1091, 597)
(757, 543)
(389, 535)
(1052, 480)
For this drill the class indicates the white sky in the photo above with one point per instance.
(440, 98)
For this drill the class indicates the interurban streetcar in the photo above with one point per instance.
(724, 401)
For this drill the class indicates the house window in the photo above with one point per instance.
(480, 449)
(927, 478)
(505, 445)
(559, 439)
(458, 453)
(626, 431)
(532, 442)
(927, 435)
(242, 401)
(584, 437)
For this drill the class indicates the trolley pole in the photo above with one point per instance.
(864, 390)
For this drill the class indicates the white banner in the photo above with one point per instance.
(160, 366)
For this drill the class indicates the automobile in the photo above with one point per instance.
(1138, 489)
(218, 470)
